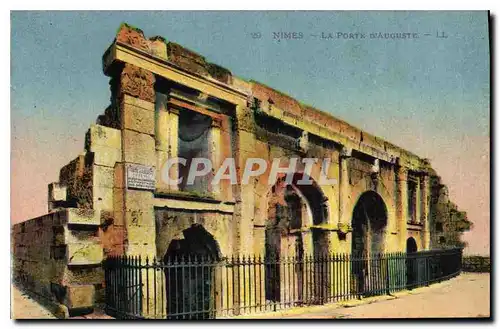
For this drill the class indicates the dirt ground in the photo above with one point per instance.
(465, 296)
(24, 307)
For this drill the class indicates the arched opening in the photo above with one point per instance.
(411, 245)
(191, 290)
(291, 208)
(369, 223)
(411, 263)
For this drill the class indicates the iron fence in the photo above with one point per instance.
(200, 287)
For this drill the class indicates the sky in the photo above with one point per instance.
(429, 93)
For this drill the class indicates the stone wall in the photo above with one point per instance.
(58, 257)
(447, 221)
(95, 213)
(476, 264)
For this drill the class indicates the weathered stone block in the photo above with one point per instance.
(99, 135)
(103, 176)
(80, 296)
(140, 234)
(59, 235)
(135, 199)
(246, 143)
(138, 119)
(84, 253)
(138, 148)
(103, 198)
(112, 236)
(158, 47)
(129, 100)
(118, 206)
(220, 73)
(139, 208)
(82, 216)
(136, 249)
(81, 236)
(57, 192)
(84, 275)
(187, 59)
(119, 176)
(57, 271)
(139, 216)
(105, 155)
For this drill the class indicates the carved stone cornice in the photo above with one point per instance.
(137, 82)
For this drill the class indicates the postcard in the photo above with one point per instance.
(179, 165)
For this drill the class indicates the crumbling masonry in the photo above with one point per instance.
(168, 101)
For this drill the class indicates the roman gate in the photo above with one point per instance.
(167, 102)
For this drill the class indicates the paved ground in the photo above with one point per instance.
(24, 307)
(465, 296)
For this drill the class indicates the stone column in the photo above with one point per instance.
(308, 270)
(162, 126)
(245, 205)
(162, 140)
(418, 201)
(344, 189)
(225, 151)
(425, 211)
(402, 206)
(216, 156)
(173, 144)
(245, 193)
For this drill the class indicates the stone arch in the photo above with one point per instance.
(411, 245)
(171, 224)
(293, 209)
(311, 195)
(191, 288)
(369, 222)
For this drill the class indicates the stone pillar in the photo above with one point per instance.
(226, 151)
(418, 201)
(135, 96)
(167, 142)
(402, 206)
(344, 189)
(245, 205)
(173, 145)
(425, 204)
(137, 110)
(162, 132)
(245, 145)
(216, 155)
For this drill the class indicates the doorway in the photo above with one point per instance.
(411, 263)
(369, 223)
(190, 290)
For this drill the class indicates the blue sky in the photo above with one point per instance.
(429, 95)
